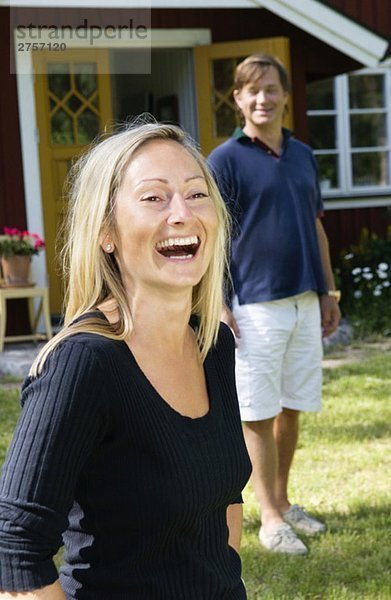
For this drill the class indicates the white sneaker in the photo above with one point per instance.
(282, 539)
(302, 522)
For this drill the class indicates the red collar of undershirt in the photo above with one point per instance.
(265, 147)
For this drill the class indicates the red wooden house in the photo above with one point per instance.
(69, 67)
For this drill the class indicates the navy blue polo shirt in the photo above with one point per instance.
(274, 203)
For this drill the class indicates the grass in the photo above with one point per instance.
(9, 412)
(340, 473)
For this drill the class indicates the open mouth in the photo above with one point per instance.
(179, 248)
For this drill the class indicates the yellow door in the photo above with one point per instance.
(73, 99)
(214, 70)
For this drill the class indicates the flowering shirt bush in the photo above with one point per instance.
(20, 243)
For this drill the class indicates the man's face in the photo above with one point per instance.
(263, 100)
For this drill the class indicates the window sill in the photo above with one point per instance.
(356, 201)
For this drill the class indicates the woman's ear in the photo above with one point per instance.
(107, 244)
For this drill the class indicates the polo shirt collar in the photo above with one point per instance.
(239, 135)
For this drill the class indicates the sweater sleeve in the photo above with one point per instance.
(61, 422)
(228, 379)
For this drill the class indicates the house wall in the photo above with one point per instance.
(344, 227)
(311, 59)
(11, 175)
(12, 206)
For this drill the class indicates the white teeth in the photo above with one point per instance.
(185, 241)
(183, 257)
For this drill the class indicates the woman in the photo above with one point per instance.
(130, 442)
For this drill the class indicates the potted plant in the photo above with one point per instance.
(16, 249)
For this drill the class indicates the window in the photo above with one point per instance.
(349, 122)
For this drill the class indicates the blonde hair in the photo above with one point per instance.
(93, 275)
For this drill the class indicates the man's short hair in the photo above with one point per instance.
(255, 66)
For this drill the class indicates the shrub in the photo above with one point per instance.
(364, 275)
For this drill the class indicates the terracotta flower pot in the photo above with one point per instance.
(16, 270)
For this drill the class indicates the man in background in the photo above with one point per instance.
(284, 293)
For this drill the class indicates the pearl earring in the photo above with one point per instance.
(109, 248)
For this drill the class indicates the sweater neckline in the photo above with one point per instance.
(213, 389)
(213, 392)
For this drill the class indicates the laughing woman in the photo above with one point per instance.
(129, 444)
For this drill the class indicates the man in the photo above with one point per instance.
(283, 289)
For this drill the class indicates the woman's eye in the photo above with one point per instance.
(151, 199)
(199, 195)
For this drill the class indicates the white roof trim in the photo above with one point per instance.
(331, 27)
(311, 16)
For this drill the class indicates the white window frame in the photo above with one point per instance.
(343, 149)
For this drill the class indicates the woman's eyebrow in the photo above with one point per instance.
(162, 180)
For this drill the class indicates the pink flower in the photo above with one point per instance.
(17, 243)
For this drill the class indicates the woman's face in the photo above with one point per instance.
(166, 222)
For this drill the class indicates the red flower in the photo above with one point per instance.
(15, 242)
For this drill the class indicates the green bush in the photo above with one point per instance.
(364, 276)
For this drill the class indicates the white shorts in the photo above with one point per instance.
(279, 356)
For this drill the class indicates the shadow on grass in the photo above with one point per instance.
(351, 561)
(352, 432)
(375, 365)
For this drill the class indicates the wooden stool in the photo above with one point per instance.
(9, 293)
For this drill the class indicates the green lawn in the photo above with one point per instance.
(9, 411)
(341, 473)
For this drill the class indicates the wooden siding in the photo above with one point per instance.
(344, 227)
(12, 205)
(12, 210)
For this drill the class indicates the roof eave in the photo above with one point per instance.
(312, 16)
(331, 27)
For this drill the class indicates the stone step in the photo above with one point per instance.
(16, 359)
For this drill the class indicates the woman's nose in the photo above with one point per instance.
(179, 211)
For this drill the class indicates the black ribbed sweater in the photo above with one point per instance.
(139, 490)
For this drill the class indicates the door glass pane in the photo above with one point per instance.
(72, 91)
(225, 121)
(366, 91)
(370, 168)
(320, 95)
(85, 78)
(223, 73)
(58, 79)
(74, 103)
(62, 128)
(322, 132)
(87, 127)
(368, 130)
(328, 171)
(225, 116)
